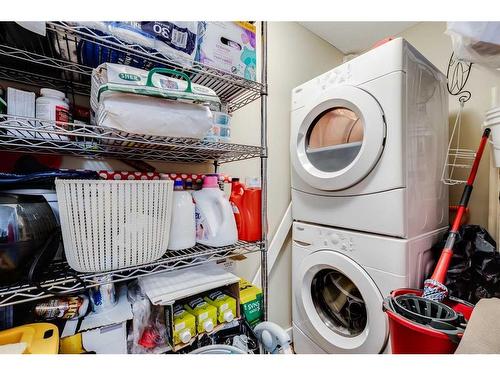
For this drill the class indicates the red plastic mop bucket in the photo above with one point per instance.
(410, 337)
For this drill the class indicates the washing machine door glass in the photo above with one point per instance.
(340, 139)
(338, 302)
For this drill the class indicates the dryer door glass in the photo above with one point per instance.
(334, 139)
(338, 302)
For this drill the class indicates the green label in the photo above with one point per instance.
(129, 77)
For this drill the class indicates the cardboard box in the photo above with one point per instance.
(177, 287)
(228, 46)
(252, 301)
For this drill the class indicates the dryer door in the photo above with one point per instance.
(341, 307)
(340, 139)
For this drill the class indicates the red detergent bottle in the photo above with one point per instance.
(236, 200)
(246, 202)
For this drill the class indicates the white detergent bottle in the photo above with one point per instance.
(215, 225)
(183, 225)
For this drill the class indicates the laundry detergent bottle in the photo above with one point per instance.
(236, 200)
(215, 224)
(246, 204)
(183, 225)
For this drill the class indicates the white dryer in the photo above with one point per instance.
(339, 281)
(368, 144)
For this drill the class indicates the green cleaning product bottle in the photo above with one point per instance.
(205, 314)
(226, 306)
(184, 325)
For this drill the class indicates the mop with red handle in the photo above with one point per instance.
(434, 287)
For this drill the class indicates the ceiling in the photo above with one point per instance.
(355, 37)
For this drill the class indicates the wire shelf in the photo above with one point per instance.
(57, 56)
(25, 134)
(60, 278)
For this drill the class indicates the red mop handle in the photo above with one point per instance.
(445, 258)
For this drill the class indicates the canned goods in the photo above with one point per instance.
(103, 297)
(67, 308)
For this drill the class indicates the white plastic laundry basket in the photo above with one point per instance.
(108, 225)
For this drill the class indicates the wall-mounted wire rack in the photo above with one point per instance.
(60, 278)
(51, 61)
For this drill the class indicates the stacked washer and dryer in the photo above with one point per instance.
(368, 144)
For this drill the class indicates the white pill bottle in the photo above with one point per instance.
(52, 106)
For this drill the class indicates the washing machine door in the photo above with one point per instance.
(340, 305)
(339, 140)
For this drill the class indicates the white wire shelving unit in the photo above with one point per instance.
(54, 61)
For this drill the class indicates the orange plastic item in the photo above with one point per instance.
(246, 203)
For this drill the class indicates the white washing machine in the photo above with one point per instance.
(339, 280)
(368, 144)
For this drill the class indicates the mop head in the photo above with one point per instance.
(434, 290)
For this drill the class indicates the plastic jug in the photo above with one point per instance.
(246, 204)
(236, 200)
(183, 225)
(226, 306)
(184, 326)
(205, 314)
(215, 224)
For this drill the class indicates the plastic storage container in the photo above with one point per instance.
(215, 225)
(183, 226)
(108, 225)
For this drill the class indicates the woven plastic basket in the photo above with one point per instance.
(108, 225)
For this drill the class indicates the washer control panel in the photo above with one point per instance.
(319, 237)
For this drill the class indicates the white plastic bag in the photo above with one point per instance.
(140, 114)
(476, 42)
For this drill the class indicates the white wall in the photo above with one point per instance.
(295, 55)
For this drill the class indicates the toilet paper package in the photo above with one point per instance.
(176, 40)
(228, 46)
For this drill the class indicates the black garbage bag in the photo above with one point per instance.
(474, 271)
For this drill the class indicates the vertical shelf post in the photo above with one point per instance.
(263, 168)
